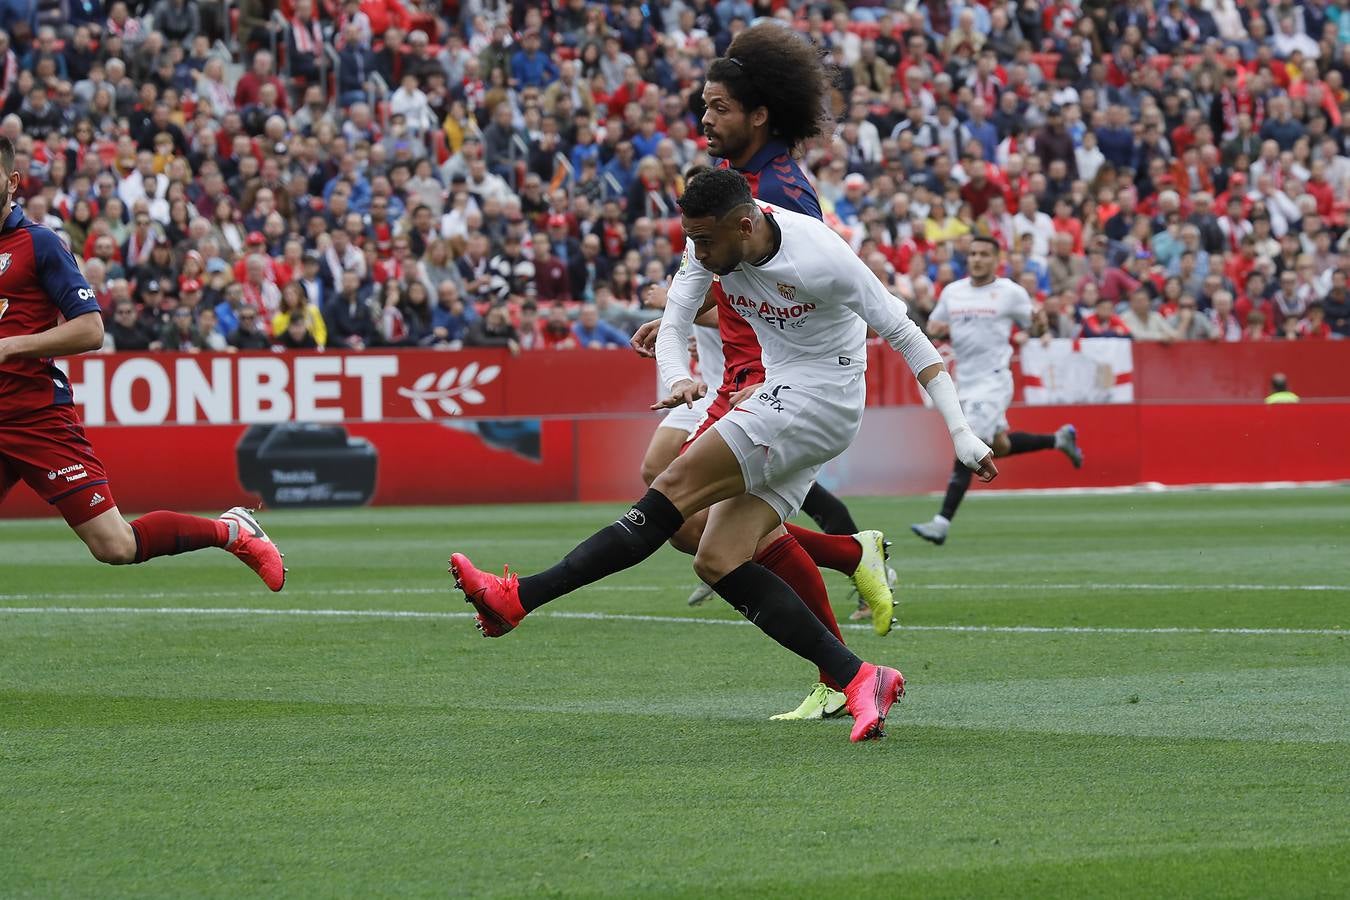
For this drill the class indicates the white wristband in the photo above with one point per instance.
(943, 393)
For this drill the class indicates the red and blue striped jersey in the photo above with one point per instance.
(39, 283)
(774, 178)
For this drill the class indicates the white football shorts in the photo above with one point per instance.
(985, 401)
(789, 429)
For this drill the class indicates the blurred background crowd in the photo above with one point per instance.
(356, 173)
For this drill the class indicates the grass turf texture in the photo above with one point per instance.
(190, 754)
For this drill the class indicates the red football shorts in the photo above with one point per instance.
(49, 451)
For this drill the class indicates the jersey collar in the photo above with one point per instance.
(769, 152)
(14, 219)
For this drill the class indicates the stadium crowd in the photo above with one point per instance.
(349, 173)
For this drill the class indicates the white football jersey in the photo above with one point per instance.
(809, 305)
(981, 321)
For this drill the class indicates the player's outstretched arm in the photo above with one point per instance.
(684, 301)
(78, 335)
(973, 452)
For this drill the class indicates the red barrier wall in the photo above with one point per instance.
(900, 450)
(446, 426)
(1199, 373)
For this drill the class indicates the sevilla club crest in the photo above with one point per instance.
(786, 291)
(4, 263)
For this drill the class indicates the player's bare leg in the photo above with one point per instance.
(113, 540)
(110, 539)
(662, 451)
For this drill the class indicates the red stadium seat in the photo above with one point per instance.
(1048, 62)
(1162, 62)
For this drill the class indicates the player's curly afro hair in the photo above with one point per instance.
(715, 192)
(772, 66)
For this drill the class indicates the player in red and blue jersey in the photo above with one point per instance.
(47, 311)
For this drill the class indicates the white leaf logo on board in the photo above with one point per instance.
(449, 391)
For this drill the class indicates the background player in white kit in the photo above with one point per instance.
(807, 295)
(978, 314)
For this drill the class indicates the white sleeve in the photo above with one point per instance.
(688, 289)
(1020, 307)
(848, 281)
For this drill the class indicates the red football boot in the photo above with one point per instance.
(496, 597)
(254, 548)
(870, 695)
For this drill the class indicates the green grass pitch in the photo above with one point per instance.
(1109, 695)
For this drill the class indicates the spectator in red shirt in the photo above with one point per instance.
(1314, 324)
(980, 189)
(556, 333)
(1066, 222)
(1321, 191)
(550, 272)
(631, 91)
(1117, 282)
(249, 90)
(1103, 322)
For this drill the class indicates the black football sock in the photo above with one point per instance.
(957, 486)
(1023, 442)
(768, 602)
(828, 511)
(638, 534)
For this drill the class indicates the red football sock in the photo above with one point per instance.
(829, 551)
(164, 533)
(786, 559)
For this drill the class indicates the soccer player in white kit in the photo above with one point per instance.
(978, 314)
(810, 300)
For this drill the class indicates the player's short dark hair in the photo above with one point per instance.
(6, 155)
(715, 193)
(772, 66)
(987, 239)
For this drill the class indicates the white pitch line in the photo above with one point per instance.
(291, 592)
(647, 588)
(619, 617)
